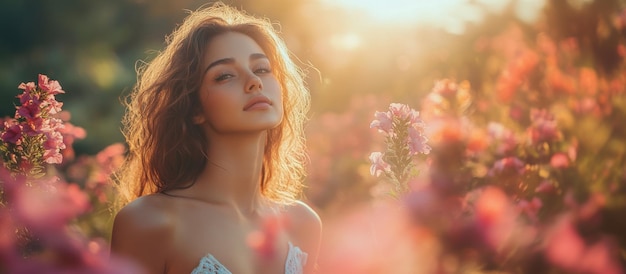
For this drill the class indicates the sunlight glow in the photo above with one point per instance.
(347, 41)
(451, 15)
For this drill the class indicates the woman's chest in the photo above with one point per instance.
(239, 246)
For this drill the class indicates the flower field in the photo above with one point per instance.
(508, 155)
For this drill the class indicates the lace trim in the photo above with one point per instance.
(294, 264)
(209, 265)
(296, 259)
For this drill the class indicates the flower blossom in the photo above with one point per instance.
(51, 87)
(418, 142)
(33, 136)
(382, 122)
(12, 133)
(404, 131)
(504, 137)
(544, 127)
(508, 164)
(378, 164)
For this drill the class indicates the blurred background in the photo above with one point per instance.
(360, 55)
(352, 47)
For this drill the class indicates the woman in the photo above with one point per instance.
(215, 130)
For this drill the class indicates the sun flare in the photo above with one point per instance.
(447, 14)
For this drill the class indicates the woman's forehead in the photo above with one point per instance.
(231, 45)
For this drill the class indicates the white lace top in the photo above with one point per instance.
(294, 264)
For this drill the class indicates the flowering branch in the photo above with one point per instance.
(32, 138)
(404, 138)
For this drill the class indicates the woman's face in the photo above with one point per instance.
(239, 92)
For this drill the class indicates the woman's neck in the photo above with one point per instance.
(232, 174)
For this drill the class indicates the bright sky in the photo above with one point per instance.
(448, 14)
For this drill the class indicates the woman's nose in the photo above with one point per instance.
(254, 83)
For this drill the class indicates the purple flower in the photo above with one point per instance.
(404, 132)
(378, 164)
(12, 133)
(383, 122)
(417, 142)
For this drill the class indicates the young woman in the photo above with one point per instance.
(215, 130)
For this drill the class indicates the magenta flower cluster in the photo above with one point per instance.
(33, 137)
(37, 208)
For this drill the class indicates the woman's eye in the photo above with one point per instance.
(263, 70)
(223, 76)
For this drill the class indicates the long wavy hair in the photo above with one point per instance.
(167, 150)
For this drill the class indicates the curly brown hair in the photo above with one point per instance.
(166, 148)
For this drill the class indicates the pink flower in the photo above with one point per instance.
(559, 160)
(588, 80)
(378, 164)
(544, 127)
(515, 75)
(599, 259)
(400, 111)
(564, 246)
(491, 206)
(566, 249)
(446, 87)
(47, 206)
(504, 137)
(545, 187)
(12, 133)
(29, 96)
(33, 127)
(508, 165)
(383, 122)
(29, 110)
(50, 87)
(530, 208)
(28, 87)
(495, 216)
(52, 105)
(417, 142)
(53, 145)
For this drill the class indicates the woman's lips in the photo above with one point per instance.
(258, 102)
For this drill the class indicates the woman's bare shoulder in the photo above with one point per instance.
(147, 212)
(304, 223)
(305, 230)
(142, 231)
(302, 215)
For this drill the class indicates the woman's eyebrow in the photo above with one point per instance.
(256, 56)
(230, 60)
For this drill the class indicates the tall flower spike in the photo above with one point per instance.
(404, 132)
